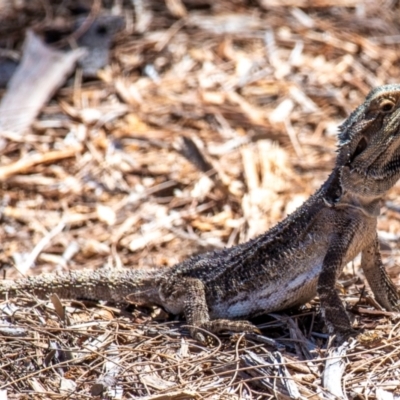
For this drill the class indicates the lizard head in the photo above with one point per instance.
(369, 144)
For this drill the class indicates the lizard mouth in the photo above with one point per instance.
(384, 168)
(377, 148)
(376, 160)
(361, 146)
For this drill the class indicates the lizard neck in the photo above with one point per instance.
(334, 195)
(369, 207)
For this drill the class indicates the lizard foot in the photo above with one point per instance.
(218, 325)
(344, 335)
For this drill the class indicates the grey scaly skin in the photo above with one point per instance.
(287, 266)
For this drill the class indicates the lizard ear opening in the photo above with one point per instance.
(361, 146)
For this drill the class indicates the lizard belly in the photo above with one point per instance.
(279, 295)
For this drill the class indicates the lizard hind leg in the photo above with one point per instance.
(197, 316)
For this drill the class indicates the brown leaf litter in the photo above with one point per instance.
(199, 125)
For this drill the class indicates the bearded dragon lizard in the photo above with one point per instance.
(296, 260)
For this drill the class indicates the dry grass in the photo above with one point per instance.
(106, 178)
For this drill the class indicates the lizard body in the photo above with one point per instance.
(300, 257)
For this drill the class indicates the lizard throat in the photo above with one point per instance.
(370, 208)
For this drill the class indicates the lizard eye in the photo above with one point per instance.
(387, 106)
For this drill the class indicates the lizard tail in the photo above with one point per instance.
(105, 284)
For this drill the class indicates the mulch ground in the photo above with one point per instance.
(209, 123)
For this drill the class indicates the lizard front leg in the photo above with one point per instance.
(332, 308)
(191, 292)
(382, 286)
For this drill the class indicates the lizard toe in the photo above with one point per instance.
(205, 331)
(345, 334)
(220, 325)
